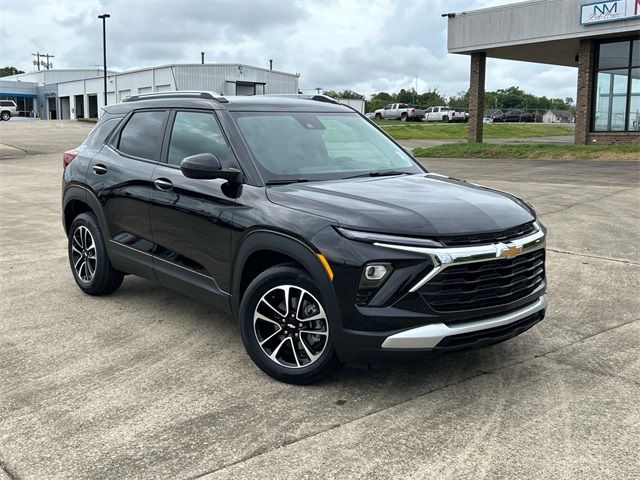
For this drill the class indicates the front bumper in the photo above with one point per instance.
(362, 348)
(430, 336)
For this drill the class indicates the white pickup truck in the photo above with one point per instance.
(444, 114)
(399, 111)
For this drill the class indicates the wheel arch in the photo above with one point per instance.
(261, 249)
(78, 200)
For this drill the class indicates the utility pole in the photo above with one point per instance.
(104, 17)
(37, 60)
(271, 64)
(202, 58)
(48, 65)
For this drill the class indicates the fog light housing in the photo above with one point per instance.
(374, 274)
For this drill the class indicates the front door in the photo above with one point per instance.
(191, 218)
(120, 176)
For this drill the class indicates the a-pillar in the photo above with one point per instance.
(476, 96)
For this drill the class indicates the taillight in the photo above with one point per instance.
(68, 157)
(413, 110)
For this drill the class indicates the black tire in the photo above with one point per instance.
(6, 116)
(403, 117)
(378, 116)
(105, 279)
(445, 119)
(270, 285)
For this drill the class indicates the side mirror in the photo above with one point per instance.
(207, 166)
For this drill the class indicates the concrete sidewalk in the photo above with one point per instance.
(146, 383)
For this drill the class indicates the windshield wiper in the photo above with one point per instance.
(285, 181)
(379, 173)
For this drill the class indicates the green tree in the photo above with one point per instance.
(378, 100)
(430, 98)
(461, 100)
(7, 71)
(344, 94)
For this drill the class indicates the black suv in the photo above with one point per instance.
(317, 231)
(513, 115)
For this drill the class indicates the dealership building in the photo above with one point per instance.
(601, 39)
(70, 94)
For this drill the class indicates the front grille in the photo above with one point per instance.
(488, 238)
(485, 284)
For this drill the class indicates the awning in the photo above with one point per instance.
(18, 95)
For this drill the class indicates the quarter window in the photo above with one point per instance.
(142, 135)
(194, 133)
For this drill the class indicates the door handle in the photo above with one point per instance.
(99, 169)
(163, 184)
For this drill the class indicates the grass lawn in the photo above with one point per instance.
(535, 151)
(422, 130)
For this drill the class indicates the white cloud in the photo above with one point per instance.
(364, 45)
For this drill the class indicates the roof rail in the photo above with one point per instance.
(304, 96)
(177, 94)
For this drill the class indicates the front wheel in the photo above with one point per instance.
(285, 326)
(90, 264)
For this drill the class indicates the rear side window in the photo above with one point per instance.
(142, 135)
(194, 133)
(6, 103)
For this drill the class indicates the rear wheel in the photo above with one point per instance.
(5, 116)
(445, 119)
(285, 327)
(378, 116)
(403, 117)
(90, 264)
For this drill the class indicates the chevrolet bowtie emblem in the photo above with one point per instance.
(509, 251)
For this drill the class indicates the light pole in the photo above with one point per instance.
(104, 17)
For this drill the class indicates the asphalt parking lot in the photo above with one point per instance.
(149, 384)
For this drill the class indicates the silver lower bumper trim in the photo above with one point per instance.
(428, 336)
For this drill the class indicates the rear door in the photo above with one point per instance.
(191, 218)
(120, 176)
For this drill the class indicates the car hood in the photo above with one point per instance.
(417, 205)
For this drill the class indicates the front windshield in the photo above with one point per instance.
(319, 146)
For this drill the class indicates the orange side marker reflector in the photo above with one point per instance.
(325, 264)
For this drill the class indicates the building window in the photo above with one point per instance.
(617, 87)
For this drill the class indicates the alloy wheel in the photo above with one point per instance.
(83, 254)
(291, 326)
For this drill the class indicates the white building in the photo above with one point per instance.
(69, 94)
(558, 116)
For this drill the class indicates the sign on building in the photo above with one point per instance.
(609, 11)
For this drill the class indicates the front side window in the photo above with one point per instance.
(318, 146)
(616, 105)
(194, 133)
(142, 135)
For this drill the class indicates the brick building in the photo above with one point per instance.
(601, 39)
